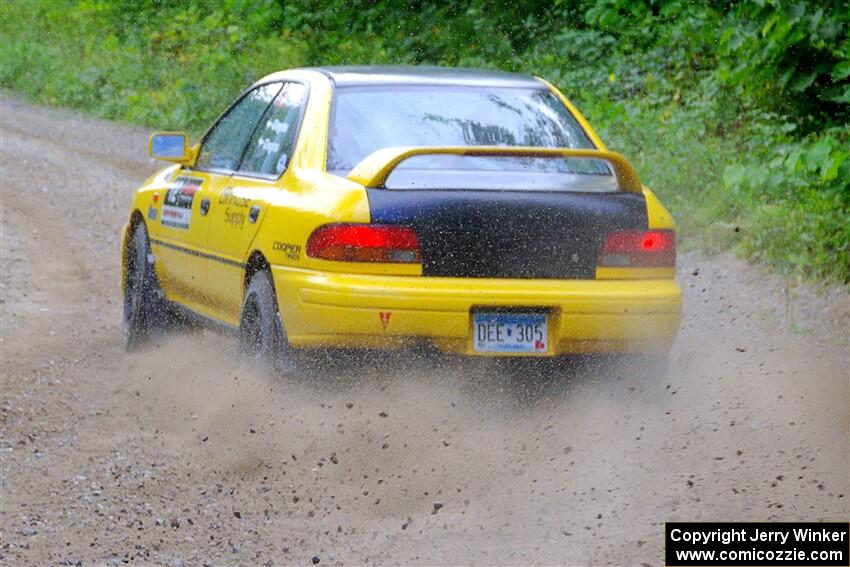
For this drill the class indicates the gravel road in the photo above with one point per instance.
(180, 455)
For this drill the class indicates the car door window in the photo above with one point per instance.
(223, 146)
(272, 142)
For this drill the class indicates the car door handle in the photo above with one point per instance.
(253, 214)
(205, 206)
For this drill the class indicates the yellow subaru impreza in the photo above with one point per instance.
(380, 207)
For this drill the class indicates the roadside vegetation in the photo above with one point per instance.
(736, 113)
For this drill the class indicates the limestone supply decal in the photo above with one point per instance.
(757, 543)
(177, 204)
(235, 208)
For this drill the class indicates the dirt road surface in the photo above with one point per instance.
(180, 455)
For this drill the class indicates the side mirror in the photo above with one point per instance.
(169, 146)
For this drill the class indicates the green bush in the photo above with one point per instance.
(797, 203)
(735, 113)
(793, 57)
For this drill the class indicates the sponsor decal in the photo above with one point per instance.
(281, 163)
(152, 212)
(291, 251)
(177, 204)
(235, 208)
(385, 318)
(277, 126)
(268, 145)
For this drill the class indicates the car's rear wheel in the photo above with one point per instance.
(261, 331)
(144, 307)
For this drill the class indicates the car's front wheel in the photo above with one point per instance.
(144, 307)
(261, 330)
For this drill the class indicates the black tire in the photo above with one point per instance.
(144, 307)
(261, 332)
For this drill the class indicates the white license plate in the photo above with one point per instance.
(510, 332)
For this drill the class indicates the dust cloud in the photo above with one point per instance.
(183, 454)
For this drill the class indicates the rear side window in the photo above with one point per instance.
(223, 146)
(272, 142)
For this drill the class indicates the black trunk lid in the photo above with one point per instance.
(509, 234)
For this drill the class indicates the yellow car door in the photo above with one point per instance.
(240, 205)
(219, 155)
(178, 232)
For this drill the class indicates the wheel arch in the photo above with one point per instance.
(136, 218)
(256, 262)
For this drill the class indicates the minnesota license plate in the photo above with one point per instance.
(510, 332)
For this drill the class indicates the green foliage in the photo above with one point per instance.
(736, 113)
(791, 57)
(798, 213)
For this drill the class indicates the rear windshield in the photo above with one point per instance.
(366, 119)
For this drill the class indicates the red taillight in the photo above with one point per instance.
(639, 248)
(364, 243)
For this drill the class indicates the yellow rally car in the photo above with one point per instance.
(378, 207)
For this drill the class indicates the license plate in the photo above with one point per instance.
(510, 332)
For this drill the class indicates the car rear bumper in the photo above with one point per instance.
(388, 312)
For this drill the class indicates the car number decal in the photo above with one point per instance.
(177, 204)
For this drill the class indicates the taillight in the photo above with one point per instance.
(639, 248)
(364, 243)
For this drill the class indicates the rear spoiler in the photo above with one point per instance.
(374, 170)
